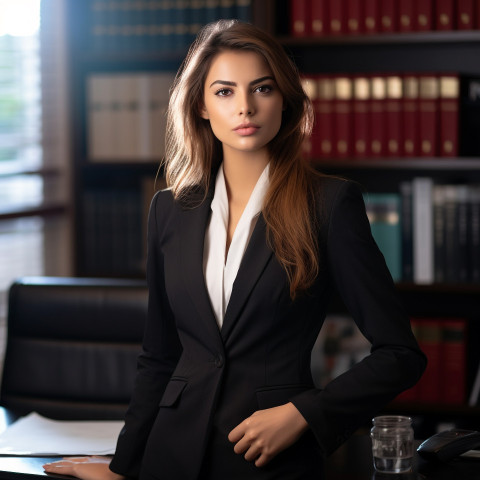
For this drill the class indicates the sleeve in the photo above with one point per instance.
(160, 353)
(395, 363)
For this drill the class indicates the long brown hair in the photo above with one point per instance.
(193, 152)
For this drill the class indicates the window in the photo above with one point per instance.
(33, 142)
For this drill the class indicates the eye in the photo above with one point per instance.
(223, 92)
(264, 89)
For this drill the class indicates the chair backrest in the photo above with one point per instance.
(72, 345)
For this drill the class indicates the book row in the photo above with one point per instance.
(126, 116)
(319, 18)
(428, 233)
(155, 25)
(393, 115)
(444, 342)
(112, 240)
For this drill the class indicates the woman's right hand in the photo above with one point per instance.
(84, 468)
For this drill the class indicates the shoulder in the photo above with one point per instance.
(329, 191)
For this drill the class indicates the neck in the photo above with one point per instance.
(242, 171)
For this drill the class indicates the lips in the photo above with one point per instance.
(246, 129)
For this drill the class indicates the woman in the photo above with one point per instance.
(245, 249)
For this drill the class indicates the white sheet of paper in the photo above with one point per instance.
(39, 436)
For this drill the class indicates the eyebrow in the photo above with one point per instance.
(234, 84)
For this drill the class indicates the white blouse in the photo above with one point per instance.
(220, 272)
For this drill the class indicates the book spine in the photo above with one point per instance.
(383, 211)
(378, 91)
(474, 233)
(462, 221)
(227, 9)
(406, 15)
(337, 16)
(410, 118)
(444, 14)
(299, 18)
(361, 116)
(423, 270)
(319, 18)
(454, 361)
(354, 17)
(423, 15)
(393, 115)
(324, 138)
(388, 16)
(371, 17)
(451, 235)
(449, 115)
(465, 14)
(407, 231)
(211, 10)
(342, 113)
(428, 114)
(439, 232)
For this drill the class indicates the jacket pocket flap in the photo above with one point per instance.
(275, 396)
(172, 392)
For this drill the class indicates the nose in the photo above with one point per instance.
(246, 105)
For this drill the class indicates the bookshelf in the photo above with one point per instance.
(399, 53)
(102, 180)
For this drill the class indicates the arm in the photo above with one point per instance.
(361, 276)
(160, 354)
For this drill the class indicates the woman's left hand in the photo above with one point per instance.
(266, 433)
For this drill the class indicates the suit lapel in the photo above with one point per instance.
(192, 234)
(253, 264)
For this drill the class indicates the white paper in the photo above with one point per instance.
(39, 436)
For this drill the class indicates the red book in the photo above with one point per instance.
(378, 91)
(476, 11)
(444, 14)
(337, 14)
(388, 16)
(371, 16)
(430, 341)
(299, 18)
(406, 15)
(448, 111)
(466, 14)
(342, 117)
(393, 115)
(423, 15)
(319, 23)
(411, 145)
(324, 124)
(428, 114)
(454, 361)
(361, 116)
(355, 16)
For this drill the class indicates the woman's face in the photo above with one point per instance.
(242, 102)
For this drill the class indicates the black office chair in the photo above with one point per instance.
(72, 345)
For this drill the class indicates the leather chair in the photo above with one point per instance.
(72, 345)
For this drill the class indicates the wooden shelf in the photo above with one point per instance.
(435, 37)
(420, 163)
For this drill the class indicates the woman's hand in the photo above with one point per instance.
(266, 433)
(85, 468)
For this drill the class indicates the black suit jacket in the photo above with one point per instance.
(196, 382)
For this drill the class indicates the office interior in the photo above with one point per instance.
(83, 92)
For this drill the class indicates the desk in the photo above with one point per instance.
(353, 461)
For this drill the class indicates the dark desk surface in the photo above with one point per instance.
(352, 461)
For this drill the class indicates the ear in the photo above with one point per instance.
(204, 113)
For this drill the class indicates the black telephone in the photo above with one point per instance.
(447, 445)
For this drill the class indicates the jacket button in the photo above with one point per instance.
(219, 361)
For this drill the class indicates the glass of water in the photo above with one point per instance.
(392, 443)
